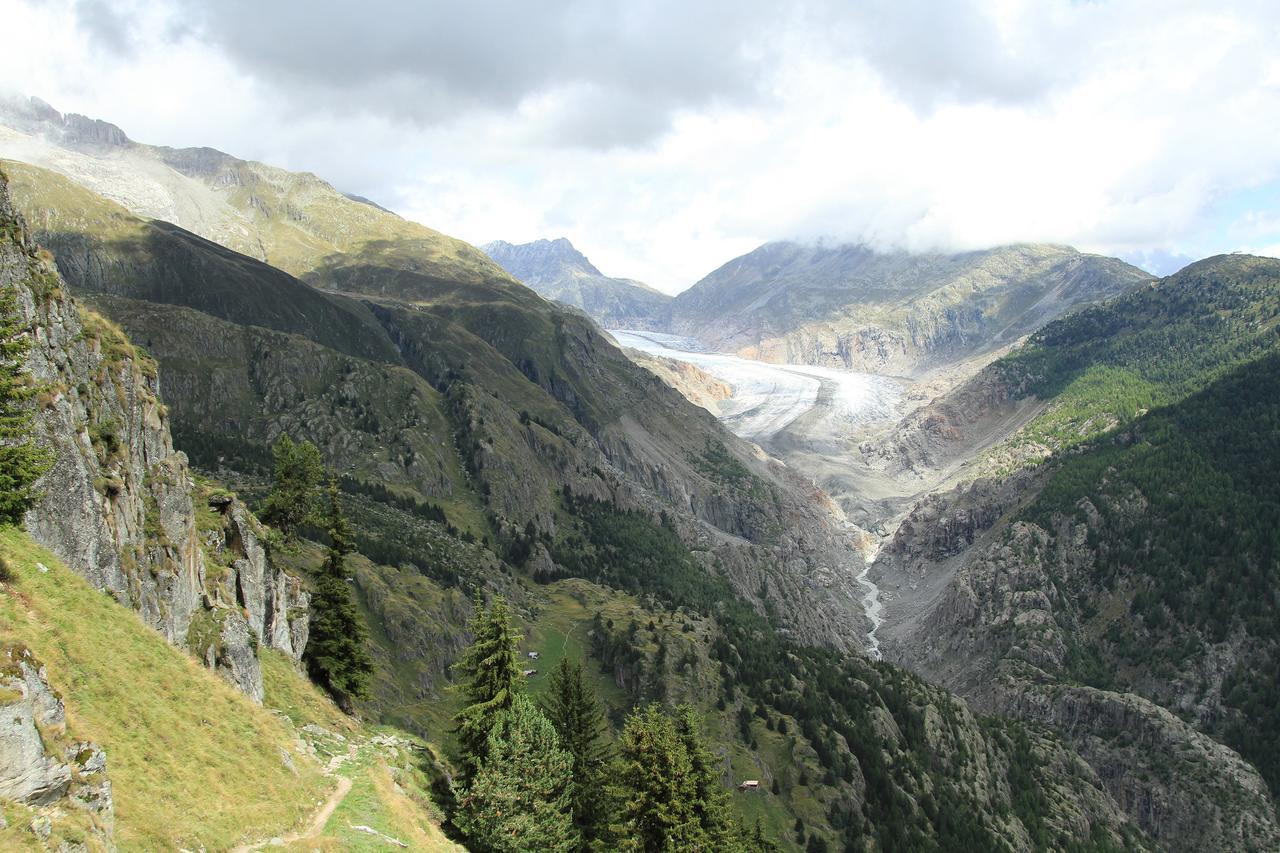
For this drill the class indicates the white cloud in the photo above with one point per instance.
(663, 143)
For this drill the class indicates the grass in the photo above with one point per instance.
(388, 797)
(193, 762)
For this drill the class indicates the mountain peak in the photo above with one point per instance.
(541, 261)
(35, 116)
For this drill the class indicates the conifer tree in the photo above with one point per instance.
(653, 789)
(297, 474)
(521, 797)
(335, 655)
(711, 798)
(492, 679)
(578, 717)
(22, 461)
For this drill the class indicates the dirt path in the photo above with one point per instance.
(315, 827)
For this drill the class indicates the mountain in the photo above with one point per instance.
(555, 269)
(293, 221)
(453, 402)
(491, 442)
(1114, 572)
(170, 711)
(850, 307)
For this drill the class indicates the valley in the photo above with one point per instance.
(940, 551)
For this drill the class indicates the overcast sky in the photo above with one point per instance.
(664, 138)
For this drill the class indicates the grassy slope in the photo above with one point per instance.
(192, 761)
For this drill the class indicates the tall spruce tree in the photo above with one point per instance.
(298, 472)
(578, 717)
(335, 655)
(653, 790)
(521, 797)
(493, 679)
(22, 461)
(711, 798)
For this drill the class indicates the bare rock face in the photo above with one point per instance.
(248, 602)
(40, 765)
(117, 504)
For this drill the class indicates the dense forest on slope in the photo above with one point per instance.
(1189, 499)
(1105, 365)
(1128, 546)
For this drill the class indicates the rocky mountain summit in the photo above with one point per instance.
(557, 270)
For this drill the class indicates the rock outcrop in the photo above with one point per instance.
(41, 765)
(991, 606)
(117, 503)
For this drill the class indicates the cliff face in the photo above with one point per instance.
(117, 504)
(1008, 614)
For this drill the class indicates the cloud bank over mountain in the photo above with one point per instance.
(664, 138)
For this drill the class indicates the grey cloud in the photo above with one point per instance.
(430, 62)
(618, 72)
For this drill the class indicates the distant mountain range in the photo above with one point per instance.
(557, 270)
(842, 306)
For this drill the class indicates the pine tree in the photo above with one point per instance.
(335, 655)
(492, 679)
(711, 799)
(298, 472)
(653, 789)
(22, 461)
(521, 797)
(578, 717)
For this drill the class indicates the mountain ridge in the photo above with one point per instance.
(557, 270)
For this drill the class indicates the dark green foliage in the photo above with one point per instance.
(711, 799)
(521, 796)
(1107, 364)
(336, 655)
(22, 461)
(831, 696)
(627, 550)
(578, 718)
(1202, 554)
(298, 471)
(720, 466)
(661, 797)
(492, 680)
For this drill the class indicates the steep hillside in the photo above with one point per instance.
(854, 308)
(118, 504)
(481, 399)
(1135, 570)
(555, 269)
(115, 734)
(162, 754)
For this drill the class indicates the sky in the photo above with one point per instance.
(666, 137)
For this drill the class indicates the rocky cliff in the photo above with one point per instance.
(117, 504)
